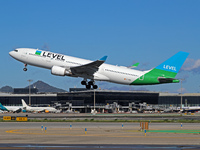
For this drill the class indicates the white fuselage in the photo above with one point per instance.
(105, 72)
(37, 109)
(13, 108)
(40, 109)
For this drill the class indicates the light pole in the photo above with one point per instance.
(29, 91)
(181, 95)
(94, 101)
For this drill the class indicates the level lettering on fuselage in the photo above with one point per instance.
(53, 55)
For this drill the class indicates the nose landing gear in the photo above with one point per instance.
(25, 69)
(89, 84)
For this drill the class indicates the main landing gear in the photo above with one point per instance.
(89, 84)
(25, 69)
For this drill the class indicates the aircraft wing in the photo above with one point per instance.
(88, 69)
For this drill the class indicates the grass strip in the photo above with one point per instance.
(109, 120)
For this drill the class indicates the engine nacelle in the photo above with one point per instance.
(60, 71)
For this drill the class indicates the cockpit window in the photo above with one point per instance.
(16, 50)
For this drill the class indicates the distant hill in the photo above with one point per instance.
(40, 85)
(44, 87)
(6, 89)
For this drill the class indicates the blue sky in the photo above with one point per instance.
(127, 31)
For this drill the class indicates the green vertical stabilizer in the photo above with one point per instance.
(165, 72)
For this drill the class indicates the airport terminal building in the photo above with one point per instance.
(83, 100)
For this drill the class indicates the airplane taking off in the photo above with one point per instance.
(37, 109)
(63, 65)
(11, 108)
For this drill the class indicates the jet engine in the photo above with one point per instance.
(60, 71)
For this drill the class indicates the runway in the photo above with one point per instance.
(95, 147)
(109, 134)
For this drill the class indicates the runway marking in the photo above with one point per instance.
(175, 131)
(107, 134)
(14, 148)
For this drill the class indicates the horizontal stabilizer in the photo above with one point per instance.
(167, 80)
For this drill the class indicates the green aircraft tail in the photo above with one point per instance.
(165, 72)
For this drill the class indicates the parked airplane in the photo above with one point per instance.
(63, 65)
(189, 109)
(11, 108)
(37, 109)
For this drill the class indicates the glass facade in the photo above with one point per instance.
(103, 97)
(176, 100)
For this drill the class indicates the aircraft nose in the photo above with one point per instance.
(11, 53)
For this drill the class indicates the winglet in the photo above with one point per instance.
(103, 58)
(134, 65)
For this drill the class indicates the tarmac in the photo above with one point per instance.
(99, 133)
